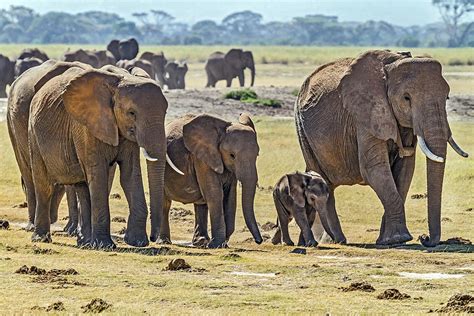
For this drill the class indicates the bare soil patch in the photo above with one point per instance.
(179, 213)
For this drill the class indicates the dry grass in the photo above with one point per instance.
(134, 282)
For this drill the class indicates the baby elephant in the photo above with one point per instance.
(299, 195)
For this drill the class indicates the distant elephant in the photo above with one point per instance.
(7, 74)
(104, 57)
(98, 130)
(113, 48)
(82, 56)
(358, 122)
(23, 65)
(33, 52)
(158, 61)
(220, 66)
(214, 154)
(176, 74)
(143, 64)
(128, 49)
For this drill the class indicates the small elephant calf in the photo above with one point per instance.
(299, 195)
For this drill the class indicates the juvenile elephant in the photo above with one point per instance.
(7, 74)
(158, 62)
(22, 65)
(358, 122)
(214, 154)
(33, 53)
(82, 56)
(99, 118)
(176, 74)
(220, 66)
(300, 196)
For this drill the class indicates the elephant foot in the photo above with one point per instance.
(394, 235)
(288, 242)
(311, 243)
(276, 241)
(41, 237)
(427, 241)
(30, 227)
(136, 239)
(200, 241)
(84, 242)
(103, 243)
(71, 228)
(154, 235)
(214, 243)
(164, 240)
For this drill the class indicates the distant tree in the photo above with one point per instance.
(209, 32)
(452, 13)
(243, 26)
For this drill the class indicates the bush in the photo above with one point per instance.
(455, 62)
(249, 96)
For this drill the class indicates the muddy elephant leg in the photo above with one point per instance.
(84, 228)
(276, 239)
(132, 185)
(230, 207)
(200, 237)
(71, 226)
(283, 220)
(165, 230)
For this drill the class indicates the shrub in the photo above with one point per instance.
(455, 62)
(249, 96)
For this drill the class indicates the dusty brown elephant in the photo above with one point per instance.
(176, 74)
(7, 74)
(137, 63)
(82, 56)
(104, 57)
(96, 131)
(158, 61)
(33, 52)
(220, 66)
(358, 122)
(214, 154)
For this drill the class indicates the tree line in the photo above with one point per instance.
(20, 24)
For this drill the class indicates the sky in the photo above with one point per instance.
(399, 12)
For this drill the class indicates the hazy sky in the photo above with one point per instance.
(400, 12)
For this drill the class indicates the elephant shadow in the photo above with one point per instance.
(458, 248)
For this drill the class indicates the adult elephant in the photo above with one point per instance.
(358, 122)
(220, 66)
(82, 56)
(105, 118)
(176, 74)
(7, 74)
(104, 57)
(33, 53)
(214, 154)
(142, 64)
(128, 49)
(113, 48)
(158, 61)
(22, 65)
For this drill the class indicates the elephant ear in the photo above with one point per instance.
(364, 93)
(296, 187)
(88, 99)
(245, 119)
(139, 72)
(58, 68)
(234, 58)
(202, 137)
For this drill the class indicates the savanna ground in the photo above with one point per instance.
(249, 278)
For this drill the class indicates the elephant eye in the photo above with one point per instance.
(407, 98)
(131, 113)
(232, 155)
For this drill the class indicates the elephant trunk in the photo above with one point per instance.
(252, 73)
(249, 185)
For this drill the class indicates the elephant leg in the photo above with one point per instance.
(376, 171)
(200, 237)
(31, 200)
(71, 226)
(241, 78)
(230, 207)
(306, 236)
(165, 230)
(132, 185)
(112, 176)
(276, 239)
(283, 220)
(58, 193)
(229, 82)
(84, 229)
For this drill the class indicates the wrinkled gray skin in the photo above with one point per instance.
(220, 66)
(176, 74)
(158, 62)
(23, 65)
(7, 74)
(213, 154)
(112, 128)
(357, 120)
(300, 196)
(137, 63)
(83, 56)
(33, 52)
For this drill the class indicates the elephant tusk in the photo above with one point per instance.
(172, 165)
(457, 148)
(146, 155)
(424, 148)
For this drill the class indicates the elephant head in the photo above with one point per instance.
(23, 65)
(158, 61)
(128, 49)
(104, 57)
(113, 48)
(7, 74)
(81, 56)
(412, 93)
(33, 52)
(308, 188)
(239, 60)
(176, 75)
(228, 146)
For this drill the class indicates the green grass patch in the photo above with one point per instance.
(250, 96)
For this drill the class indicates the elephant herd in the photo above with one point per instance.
(170, 74)
(358, 121)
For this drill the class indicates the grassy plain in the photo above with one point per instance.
(134, 281)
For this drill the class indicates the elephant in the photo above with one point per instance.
(113, 48)
(103, 118)
(33, 52)
(104, 57)
(7, 74)
(137, 63)
(220, 66)
(128, 49)
(214, 154)
(82, 56)
(176, 75)
(158, 61)
(22, 65)
(358, 121)
(300, 196)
